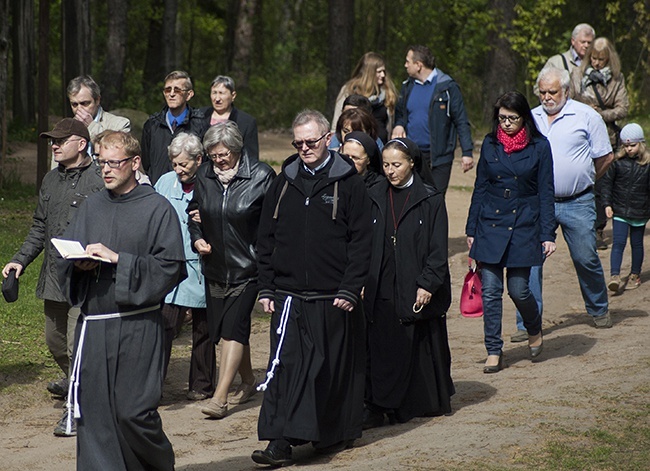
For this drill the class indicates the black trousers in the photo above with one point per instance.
(203, 363)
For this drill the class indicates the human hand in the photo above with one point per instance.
(343, 304)
(12, 266)
(86, 265)
(398, 131)
(100, 250)
(268, 305)
(83, 116)
(609, 212)
(195, 216)
(470, 242)
(202, 247)
(422, 298)
(467, 163)
(549, 248)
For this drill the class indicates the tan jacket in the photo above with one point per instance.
(614, 98)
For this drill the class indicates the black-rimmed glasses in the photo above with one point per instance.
(512, 119)
(112, 163)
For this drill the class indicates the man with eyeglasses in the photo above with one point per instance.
(85, 100)
(176, 117)
(118, 361)
(63, 190)
(314, 253)
(581, 154)
(430, 111)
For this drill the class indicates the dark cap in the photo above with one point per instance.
(68, 127)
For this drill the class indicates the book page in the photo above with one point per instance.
(73, 250)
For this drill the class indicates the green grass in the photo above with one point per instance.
(24, 357)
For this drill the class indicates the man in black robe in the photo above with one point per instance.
(314, 251)
(116, 380)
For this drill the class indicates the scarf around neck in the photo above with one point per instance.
(226, 176)
(513, 143)
(604, 74)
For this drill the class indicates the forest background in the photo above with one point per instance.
(286, 55)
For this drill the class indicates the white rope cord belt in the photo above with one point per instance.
(73, 387)
(282, 329)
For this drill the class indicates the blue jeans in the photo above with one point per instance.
(492, 278)
(619, 233)
(577, 219)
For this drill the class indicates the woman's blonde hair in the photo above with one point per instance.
(364, 80)
(643, 156)
(602, 44)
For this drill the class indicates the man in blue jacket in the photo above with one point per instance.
(431, 112)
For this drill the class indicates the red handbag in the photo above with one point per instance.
(471, 302)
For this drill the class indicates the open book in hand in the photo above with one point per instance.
(72, 250)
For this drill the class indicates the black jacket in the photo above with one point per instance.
(420, 252)
(247, 127)
(62, 192)
(315, 242)
(156, 137)
(626, 188)
(230, 219)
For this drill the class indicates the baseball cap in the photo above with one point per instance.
(68, 127)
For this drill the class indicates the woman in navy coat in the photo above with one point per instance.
(511, 222)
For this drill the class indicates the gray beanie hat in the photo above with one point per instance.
(632, 133)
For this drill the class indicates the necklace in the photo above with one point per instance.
(392, 211)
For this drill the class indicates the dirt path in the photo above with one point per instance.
(582, 374)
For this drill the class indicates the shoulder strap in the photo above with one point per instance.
(566, 64)
(598, 97)
(282, 192)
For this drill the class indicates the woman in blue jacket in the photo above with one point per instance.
(511, 222)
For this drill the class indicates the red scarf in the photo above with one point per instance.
(513, 143)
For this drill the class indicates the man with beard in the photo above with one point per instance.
(581, 154)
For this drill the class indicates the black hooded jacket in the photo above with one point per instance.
(315, 231)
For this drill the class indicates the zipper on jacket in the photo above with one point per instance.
(307, 201)
(223, 229)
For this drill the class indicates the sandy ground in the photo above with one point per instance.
(497, 418)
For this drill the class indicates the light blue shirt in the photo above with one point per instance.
(191, 291)
(577, 135)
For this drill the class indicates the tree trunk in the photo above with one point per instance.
(169, 36)
(4, 69)
(243, 43)
(339, 50)
(23, 62)
(77, 55)
(501, 65)
(153, 69)
(115, 64)
(43, 156)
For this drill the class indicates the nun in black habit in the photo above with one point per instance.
(407, 295)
